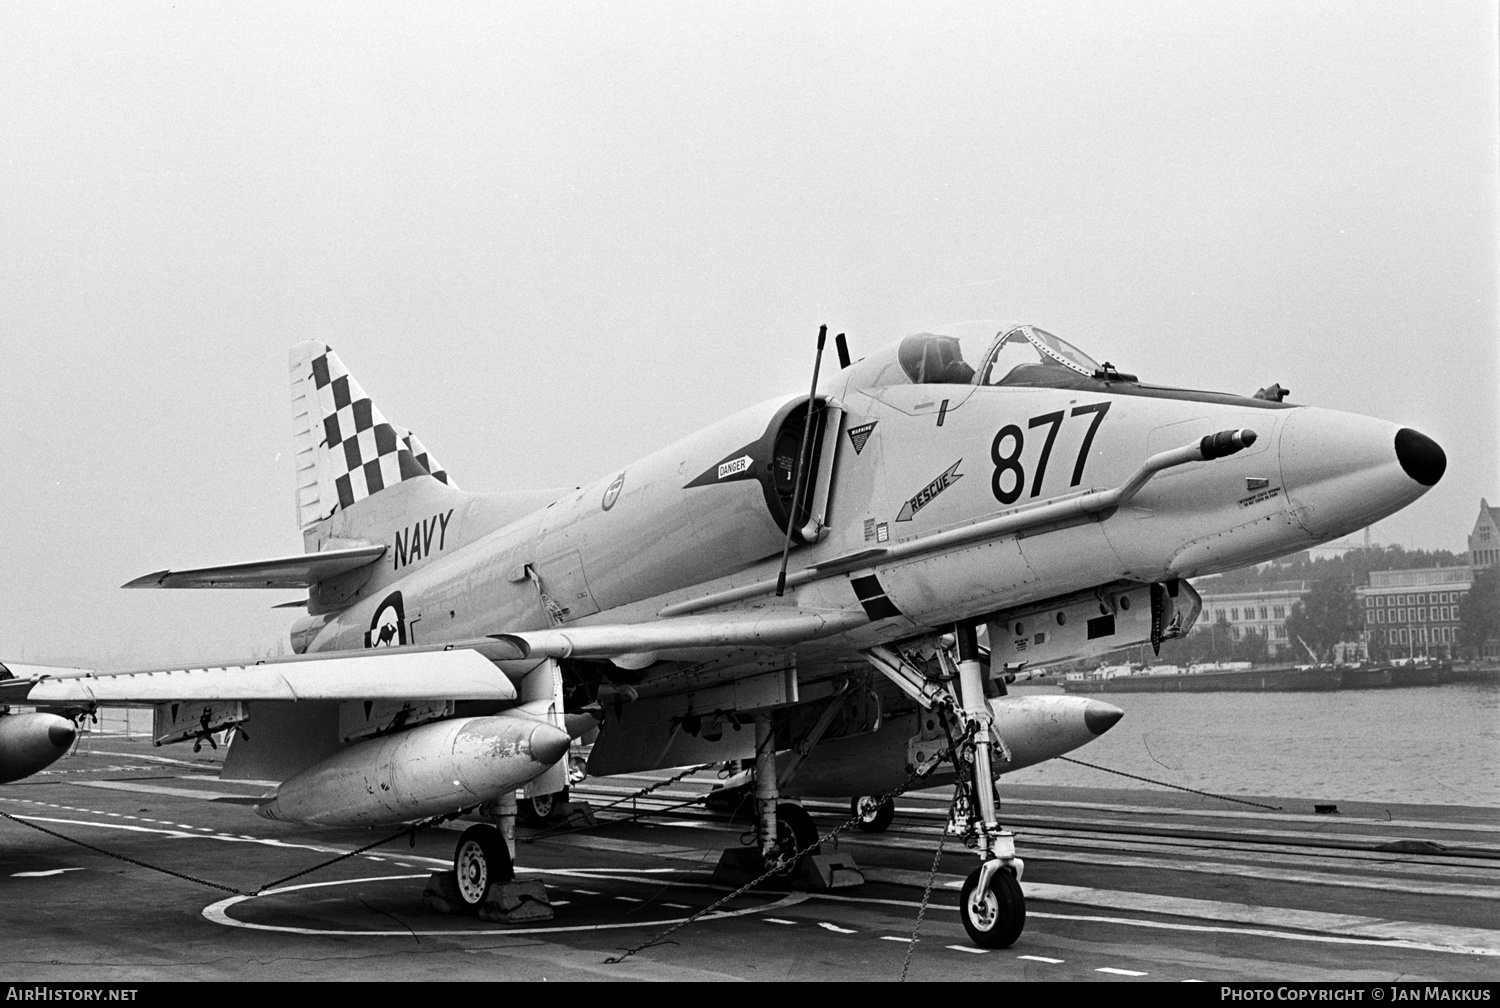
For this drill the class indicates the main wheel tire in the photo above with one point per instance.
(873, 817)
(480, 861)
(794, 832)
(538, 811)
(994, 919)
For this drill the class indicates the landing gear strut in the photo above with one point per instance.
(783, 829)
(991, 904)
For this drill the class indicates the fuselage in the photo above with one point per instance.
(902, 461)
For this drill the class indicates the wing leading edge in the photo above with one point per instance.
(423, 675)
(301, 571)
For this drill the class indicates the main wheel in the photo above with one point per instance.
(995, 917)
(794, 832)
(874, 817)
(480, 860)
(538, 811)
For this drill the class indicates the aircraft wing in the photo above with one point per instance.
(459, 674)
(300, 571)
(463, 670)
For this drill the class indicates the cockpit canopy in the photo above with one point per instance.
(981, 353)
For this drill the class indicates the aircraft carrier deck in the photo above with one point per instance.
(1122, 885)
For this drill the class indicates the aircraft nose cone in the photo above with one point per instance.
(61, 734)
(548, 744)
(1420, 456)
(1099, 717)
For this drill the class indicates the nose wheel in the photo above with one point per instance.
(537, 812)
(993, 911)
(874, 815)
(481, 860)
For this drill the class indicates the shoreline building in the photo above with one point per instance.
(1484, 541)
(1415, 611)
(1263, 608)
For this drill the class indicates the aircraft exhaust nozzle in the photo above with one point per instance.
(32, 742)
(432, 769)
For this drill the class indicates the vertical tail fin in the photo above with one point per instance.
(346, 450)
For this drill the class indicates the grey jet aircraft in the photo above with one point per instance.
(802, 586)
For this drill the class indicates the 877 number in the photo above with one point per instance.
(1005, 452)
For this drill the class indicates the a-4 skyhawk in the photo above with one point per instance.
(806, 590)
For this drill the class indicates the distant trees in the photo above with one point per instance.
(1352, 568)
(1328, 614)
(1479, 619)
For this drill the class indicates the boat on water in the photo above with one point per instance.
(1287, 678)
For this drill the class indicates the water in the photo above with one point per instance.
(1421, 744)
(1424, 744)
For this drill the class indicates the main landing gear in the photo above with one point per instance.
(786, 837)
(480, 861)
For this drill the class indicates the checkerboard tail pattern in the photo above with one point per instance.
(347, 449)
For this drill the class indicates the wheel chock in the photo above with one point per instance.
(441, 893)
(830, 871)
(738, 865)
(574, 814)
(517, 903)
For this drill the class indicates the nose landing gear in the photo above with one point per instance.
(874, 815)
(992, 904)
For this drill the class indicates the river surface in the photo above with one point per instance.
(1422, 744)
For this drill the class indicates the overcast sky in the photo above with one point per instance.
(553, 237)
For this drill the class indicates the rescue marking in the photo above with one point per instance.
(776, 920)
(1121, 972)
(927, 494)
(965, 948)
(836, 929)
(1040, 959)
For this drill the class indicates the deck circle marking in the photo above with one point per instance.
(219, 914)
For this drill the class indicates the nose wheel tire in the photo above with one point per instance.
(996, 917)
(536, 812)
(481, 860)
(794, 832)
(874, 816)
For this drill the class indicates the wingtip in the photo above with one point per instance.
(152, 580)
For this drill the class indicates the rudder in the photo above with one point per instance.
(346, 450)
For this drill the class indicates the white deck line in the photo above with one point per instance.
(1482, 940)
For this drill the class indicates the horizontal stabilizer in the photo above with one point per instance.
(301, 571)
(374, 675)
